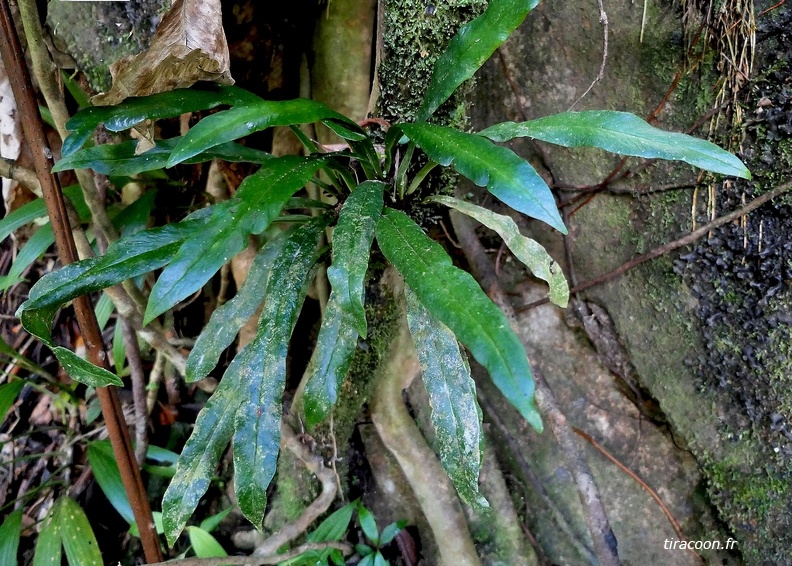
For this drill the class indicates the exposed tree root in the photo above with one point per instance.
(326, 476)
(400, 434)
(603, 539)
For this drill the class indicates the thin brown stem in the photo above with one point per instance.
(671, 246)
(49, 80)
(36, 137)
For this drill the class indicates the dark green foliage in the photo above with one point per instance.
(444, 303)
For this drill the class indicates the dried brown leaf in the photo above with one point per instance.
(189, 46)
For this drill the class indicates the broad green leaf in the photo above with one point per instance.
(455, 413)
(105, 470)
(48, 542)
(246, 119)
(368, 560)
(198, 460)
(37, 209)
(334, 527)
(352, 240)
(505, 175)
(330, 361)
(134, 218)
(77, 535)
(363, 550)
(262, 377)
(134, 110)
(454, 298)
(470, 48)
(120, 159)
(379, 559)
(211, 523)
(67, 524)
(10, 532)
(255, 205)
(82, 370)
(345, 130)
(8, 394)
(528, 251)
(368, 524)
(227, 320)
(390, 532)
(125, 259)
(622, 133)
(204, 544)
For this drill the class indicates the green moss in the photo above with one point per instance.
(413, 38)
(98, 34)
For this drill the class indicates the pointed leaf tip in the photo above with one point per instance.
(504, 174)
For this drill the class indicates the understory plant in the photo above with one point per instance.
(368, 185)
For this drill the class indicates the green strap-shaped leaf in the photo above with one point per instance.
(10, 533)
(105, 470)
(37, 209)
(198, 460)
(213, 521)
(352, 240)
(454, 298)
(455, 415)
(330, 361)
(67, 524)
(244, 120)
(48, 543)
(134, 110)
(258, 421)
(505, 175)
(120, 159)
(368, 524)
(528, 251)
(204, 544)
(125, 259)
(255, 205)
(30, 252)
(334, 527)
(470, 48)
(78, 537)
(622, 133)
(227, 320)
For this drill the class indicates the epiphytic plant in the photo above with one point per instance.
(371, 185)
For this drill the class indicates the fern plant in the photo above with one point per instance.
(372, 185)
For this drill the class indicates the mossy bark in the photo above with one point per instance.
(708, 332)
